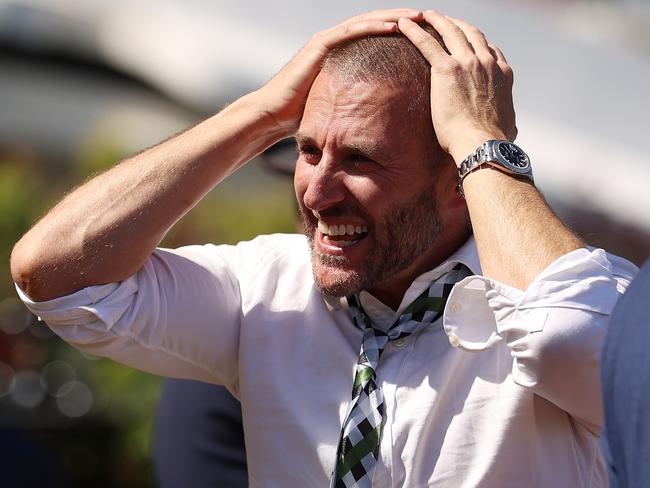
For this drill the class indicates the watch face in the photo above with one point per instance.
(513, 155)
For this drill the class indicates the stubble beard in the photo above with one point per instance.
(407, 233)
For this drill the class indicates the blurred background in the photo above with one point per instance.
(85, 83)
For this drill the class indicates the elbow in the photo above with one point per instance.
(25, 267)
(22, 267)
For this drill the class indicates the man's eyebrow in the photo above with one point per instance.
(366, 148)
(303, 139)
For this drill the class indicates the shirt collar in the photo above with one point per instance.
(383, 316)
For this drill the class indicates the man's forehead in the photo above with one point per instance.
(366, 112)
(342, 94)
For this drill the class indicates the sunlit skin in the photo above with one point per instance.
(361, 163)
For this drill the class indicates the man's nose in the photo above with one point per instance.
(325, 188)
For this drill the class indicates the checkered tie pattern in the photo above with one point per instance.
(361, 432)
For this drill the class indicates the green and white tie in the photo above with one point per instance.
(361, 432)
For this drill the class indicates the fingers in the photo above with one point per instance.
(462, 39)
(496, 52)
(351, 30)
(391, 15)
(458, 39)
(371, 23)
(430, 48)
(501, 61)
(453, 36)
(476, 38)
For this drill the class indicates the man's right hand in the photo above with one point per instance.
(283, 98)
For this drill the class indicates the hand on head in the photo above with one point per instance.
(471, 84)
(284, 96)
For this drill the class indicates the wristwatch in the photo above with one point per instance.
(502, 155)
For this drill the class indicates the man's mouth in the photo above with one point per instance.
(341, 235)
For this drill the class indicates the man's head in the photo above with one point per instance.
(374, 188)
(394, 61)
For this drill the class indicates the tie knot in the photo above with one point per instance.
(424, 310)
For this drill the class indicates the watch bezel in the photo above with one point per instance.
(493, 153)
(488, 153)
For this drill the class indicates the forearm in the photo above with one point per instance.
(517, 234)
(105, 230)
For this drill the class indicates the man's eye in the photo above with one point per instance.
(361, 162)
(309, 153)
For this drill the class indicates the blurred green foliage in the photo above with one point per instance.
(110, 445)
(22, 198)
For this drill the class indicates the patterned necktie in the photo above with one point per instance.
(361, 432)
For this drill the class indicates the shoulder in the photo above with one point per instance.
(268, 267)
(274, 255)
(275, 246)
(274, 270)
(261, 252)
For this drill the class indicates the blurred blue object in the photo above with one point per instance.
(626, 396)
(198, 437)
(27, 462)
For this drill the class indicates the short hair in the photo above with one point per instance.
(393, 59)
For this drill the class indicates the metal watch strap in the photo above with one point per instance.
(470, 163)
(487, 153)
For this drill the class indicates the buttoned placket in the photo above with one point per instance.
(398, 351)
(383, 317)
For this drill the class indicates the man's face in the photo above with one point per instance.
(365, 186)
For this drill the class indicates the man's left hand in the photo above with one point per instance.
(471, 84)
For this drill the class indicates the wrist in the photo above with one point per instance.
(469, 142)
(239, 132)
(266, 122)
(277, 116)
(498, 154)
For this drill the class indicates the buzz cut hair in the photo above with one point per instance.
(392, 59)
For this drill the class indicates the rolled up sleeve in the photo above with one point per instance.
(554, 330)
(178, 316)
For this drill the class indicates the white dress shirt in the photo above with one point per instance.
(503, 393)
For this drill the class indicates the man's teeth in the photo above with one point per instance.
(341, 229)
(339, 243)
(332, 232)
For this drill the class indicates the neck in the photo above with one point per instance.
(392, 294)
(391, 291)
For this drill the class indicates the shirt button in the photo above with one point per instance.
(456, 307)
(453, 340)
(399, 343)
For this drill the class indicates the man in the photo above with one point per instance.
(379, 187)
(625, 374)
